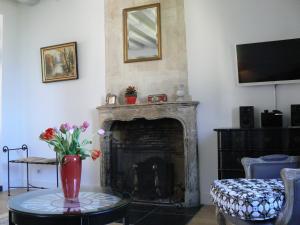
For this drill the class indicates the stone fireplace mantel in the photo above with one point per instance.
(184, 112)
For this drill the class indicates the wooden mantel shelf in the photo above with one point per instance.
(182, 103)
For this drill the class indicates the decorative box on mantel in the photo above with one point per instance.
(183, 145)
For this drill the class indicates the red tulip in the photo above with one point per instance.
(48, 135)
(96, 154)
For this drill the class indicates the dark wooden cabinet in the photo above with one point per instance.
(234, 144)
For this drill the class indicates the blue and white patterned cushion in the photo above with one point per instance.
(248, 199)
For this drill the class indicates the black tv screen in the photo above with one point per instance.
(269, 62)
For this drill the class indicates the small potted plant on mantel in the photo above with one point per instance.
(130, 95)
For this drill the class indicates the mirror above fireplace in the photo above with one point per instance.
(142, 33)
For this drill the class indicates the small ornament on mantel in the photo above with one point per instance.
(130, 95)
(180, 93)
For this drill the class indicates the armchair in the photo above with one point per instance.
(269, 168)
(290, 213)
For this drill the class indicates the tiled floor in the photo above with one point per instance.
(153, 215)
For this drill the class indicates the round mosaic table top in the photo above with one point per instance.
(52, 202)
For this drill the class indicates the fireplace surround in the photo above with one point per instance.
(152, 149)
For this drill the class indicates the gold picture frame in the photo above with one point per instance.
(142, 33)
(59, 62)
(111, 99)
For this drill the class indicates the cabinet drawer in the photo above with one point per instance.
(231, 160)
(294, 139)
(234, 144)
(231, 174)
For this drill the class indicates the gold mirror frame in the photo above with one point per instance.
(125, 33)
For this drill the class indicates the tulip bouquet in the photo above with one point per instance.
(66, 141)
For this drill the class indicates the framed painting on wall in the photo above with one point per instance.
(59, 62)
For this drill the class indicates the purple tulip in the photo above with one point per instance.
(84, 126)
(56, 130)
(71, 131)
(65, 127)
(101, 132)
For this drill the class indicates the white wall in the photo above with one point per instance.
(10, 87)
(1, 62)
(47, 105)
(213, 29)
(149, 77)
(1, 65)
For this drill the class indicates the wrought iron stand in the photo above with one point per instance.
(28, 160)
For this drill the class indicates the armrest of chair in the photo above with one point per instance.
(291, 177)
(247, 162)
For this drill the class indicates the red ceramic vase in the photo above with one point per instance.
(70, 171)
(130, 100)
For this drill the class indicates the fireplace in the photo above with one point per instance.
(150, 151)
(147, 160)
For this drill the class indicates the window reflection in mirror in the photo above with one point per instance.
(142, 35)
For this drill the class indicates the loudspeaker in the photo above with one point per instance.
(295, 115)
(246, 116)
(271, 119)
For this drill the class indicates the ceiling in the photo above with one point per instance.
(28, 2)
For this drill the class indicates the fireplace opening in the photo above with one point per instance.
(147, 160)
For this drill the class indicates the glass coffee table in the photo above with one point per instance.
(48, 207)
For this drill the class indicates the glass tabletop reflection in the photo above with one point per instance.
(52, 202)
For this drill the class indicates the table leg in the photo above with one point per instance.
(10, 218)
(126, 220)
(220, 217)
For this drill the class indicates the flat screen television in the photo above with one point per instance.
(274, 62)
